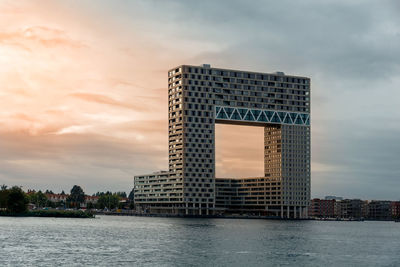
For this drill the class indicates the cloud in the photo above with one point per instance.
(103, 99)
(350, 40)
(97, 74)
(75, 129)
(39, 35)
(58, 161)
(356, 163)
(24, 117)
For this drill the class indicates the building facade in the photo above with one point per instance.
(395, 208)
(322, 208)
(57, 198)
(201, 96)
(380, 210)
(255, 196)
(351, 209)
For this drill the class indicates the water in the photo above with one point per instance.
(144, 241)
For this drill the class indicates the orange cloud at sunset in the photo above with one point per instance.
(83, 87)
(60, 80)
(69, 84)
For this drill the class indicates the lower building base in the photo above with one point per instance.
(193, 209)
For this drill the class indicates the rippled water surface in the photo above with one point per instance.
(138, 241)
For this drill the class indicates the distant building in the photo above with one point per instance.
(365, 209)
(395, 208)
(333, 198)
(322, 208)
(379, 210)
(350, 208)
(55, 198)
(124, 201)
(91, 199)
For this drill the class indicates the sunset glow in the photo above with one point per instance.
(83, 87)
(67, 84)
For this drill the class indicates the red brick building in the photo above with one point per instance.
(322, 208)
(395, 207)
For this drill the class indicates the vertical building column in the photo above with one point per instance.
(295, 174)
(301, 213)
(288, 212)
(281, 211)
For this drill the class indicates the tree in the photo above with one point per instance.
(3, 187)
(98, 194)
(132, 195)
(4, 197)
(50, 204)
(108, 200)
(17, 201)
(32, 197)
(131, 198)
(38, 198)
(62, 193)
(77, 196)
(121, 194)
(49, 191)
(60, 204)
(41, 199)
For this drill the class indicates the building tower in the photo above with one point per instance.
(201, 96)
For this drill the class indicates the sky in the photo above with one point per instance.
(83, 87)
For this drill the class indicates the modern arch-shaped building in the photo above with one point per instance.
(201, 96)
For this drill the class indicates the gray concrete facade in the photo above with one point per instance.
(201, 96)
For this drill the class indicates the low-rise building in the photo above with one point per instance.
(322, 208)
(91, 199)
(350, 208)
(379, 210)
(156, 193)
(56, 198)
(395, 208)
(252, 196)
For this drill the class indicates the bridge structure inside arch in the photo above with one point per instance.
(234, 114)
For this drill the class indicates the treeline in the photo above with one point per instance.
(14, 199)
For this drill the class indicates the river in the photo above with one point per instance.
(150, 241)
